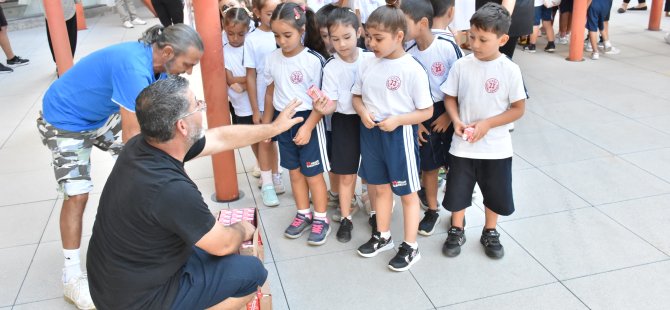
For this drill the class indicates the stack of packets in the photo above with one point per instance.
(254, 247)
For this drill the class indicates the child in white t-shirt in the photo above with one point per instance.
(236, 25)
(485, 92)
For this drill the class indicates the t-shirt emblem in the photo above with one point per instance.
(491, 85)
(296, 77)
(437, 69)
(393, 83)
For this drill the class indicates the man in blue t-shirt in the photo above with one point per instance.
(88, 106)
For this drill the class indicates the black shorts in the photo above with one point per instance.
(346, 146)
(566, 6)
(207, 280)
(435, 153)
(494, 177)
(3, 20)
(243, 120)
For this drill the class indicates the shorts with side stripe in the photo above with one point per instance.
(312, 157)
(391, 158)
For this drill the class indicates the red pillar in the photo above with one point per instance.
(655, 15)
(59, 38)
(577, 30)
(208, 25)
(81, 19)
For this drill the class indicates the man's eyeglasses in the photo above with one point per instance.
(200, 105)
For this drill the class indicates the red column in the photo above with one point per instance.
(577, 30)
(81, 19)
(655, 15)
(59, 38)
(208, 24)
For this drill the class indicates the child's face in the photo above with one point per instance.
(323, 32)
(383, 43)
(366, 39)
(485, 44)
(265, 13)
(344, 39)
(235, 33)
(229, 3)
(412, 28)
(287, 37)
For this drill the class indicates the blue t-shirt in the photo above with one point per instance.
(92, 90)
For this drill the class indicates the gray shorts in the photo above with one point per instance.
(71, 152)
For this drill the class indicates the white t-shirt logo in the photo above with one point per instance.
(437, 69)
(491, 85)
(393, 82)
(296, 77)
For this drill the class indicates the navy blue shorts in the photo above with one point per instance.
(312, 158)
(595, 17)
(494, 177)
(346, 146)
(538, 15)
(566, 6)
(548, 13)
(207, 280)
(391, 158)
(435, 153)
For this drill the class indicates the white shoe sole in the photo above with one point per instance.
(387, 247)
(416, 259)
(428, 233)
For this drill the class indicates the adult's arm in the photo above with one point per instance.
(223, 240)
(130, 127)
(509, 5)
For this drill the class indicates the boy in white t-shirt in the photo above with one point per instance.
(485, 92)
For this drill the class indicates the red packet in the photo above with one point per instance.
(315, 93)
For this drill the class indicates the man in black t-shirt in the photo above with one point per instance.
(155, 244)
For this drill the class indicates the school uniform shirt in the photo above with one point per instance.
(437, 59)
(292, 77)
(484, 89)
(233, 60)
(445, 33)
(392, 86)
(257, 46)
(338, 78)
(365, 7)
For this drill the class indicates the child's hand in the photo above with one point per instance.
(368, 120)
(481, 129)
(458, 128)
(256, 118)
(303, 135)
(237, 88)
(389, 124)
(441, 123)
(420, 132)
(323, 106)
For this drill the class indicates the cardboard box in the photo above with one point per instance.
(262, 300)
(252, 247)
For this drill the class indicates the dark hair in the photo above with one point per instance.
(323, 13)
(258, 5)
(389, 18)
(300, 17)
(159, 106)
(418, 9)
(180, 36)
(492, 17)
(343, 16)
(237, 16)
(440, 7)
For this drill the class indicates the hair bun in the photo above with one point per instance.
(393, 3)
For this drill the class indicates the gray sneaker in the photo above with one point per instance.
(5, 69)
(298, 226)
(320, 231)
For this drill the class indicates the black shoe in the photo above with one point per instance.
(375, 245)
(530, 48)
(344, 232)
(455, 238)
(422, 197)
(5, 69)
(405, 258)
(551, 47)
(373, 223)
(427, 225)
(17, 61)
(491, 241)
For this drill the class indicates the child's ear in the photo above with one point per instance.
(359, 32)
(503, 39)
(424, 22)
(400, 36)
(450, 13)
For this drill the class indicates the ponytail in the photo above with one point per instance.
(181, 37)
(313, 36)
(388, 18)
(301, 16)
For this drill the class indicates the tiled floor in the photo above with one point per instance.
(591, 184)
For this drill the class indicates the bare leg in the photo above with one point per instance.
(491, 219)
(410, 210)
(430, 184)
(383, 203)
(593, 37)
(274, 153)
(4, 43)
(71, 219)
(300, 189)
(334, 182)
(317, 185)
(233, 303)
(346, 189)
(457, 218)
(265, 158)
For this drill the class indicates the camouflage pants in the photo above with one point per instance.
(71, 152)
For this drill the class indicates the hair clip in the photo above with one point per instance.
(297, 14)
(303, 7)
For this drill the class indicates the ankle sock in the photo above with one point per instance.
(266, 177)
(305, 212)
(372, 213)
(71, 265)
(321, 215)
(414, 245)
(385, 234)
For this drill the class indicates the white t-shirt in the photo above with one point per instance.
(338, 78)
(293, 76)
(257, 46)
(437, 59)
(445, 33)
(538, 3)
(365, 7)
(315, 5)
(463, 10)
(392, 86)
(233, 58)
(484, 89)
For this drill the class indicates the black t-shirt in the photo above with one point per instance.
(149, 218)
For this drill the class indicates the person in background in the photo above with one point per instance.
(13, 60)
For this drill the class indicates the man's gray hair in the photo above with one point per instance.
(179, 36)
(159, 106)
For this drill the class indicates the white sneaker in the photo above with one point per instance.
(278, 184)
(595, 56)
(128, 24)
(76, 291)
(611, 50)
(256, 173)
(139, 21)
(563, 40)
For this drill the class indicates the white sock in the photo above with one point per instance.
(373, 212)
(266, 177)
(334, 194)
(276, 176)
(305, 212)
(414, 245)
(608, 43)
(320, 214)
(72, 264)
(348, 217)
(385, 234)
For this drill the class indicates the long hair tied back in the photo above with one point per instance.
(300, 16)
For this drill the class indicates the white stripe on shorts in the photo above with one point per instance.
(410, 158)
(321, 133)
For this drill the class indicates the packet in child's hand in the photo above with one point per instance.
(315, 93)
(467, 134)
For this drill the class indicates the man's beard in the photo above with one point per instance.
(195, 135)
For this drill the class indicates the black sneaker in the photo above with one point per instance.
(427, 225)
(373, 223)
(375, 245)
(344, 232)
(405, 258)
(455, 238)
(530, 48)
(5, 69)
(422, 197)
(551, 47)
(491, 241)
(17, 61)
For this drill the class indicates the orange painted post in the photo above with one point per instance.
(81, 19)
(208, 25)
(577, 31)
(655, 15)
(59, 38)
(150, 6)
